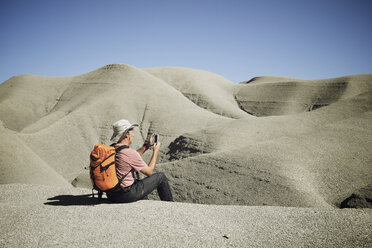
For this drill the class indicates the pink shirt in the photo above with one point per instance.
(126, 159)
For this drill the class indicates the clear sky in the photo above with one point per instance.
(237, 39)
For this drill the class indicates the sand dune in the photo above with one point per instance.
(271, 141)
(266, 97)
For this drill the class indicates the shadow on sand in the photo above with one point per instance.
(75, 200)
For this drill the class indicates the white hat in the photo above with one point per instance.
(120, 127)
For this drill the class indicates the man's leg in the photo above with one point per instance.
(160, 182)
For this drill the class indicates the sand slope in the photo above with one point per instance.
(21, 165)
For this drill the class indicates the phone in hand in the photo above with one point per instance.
(156, 138)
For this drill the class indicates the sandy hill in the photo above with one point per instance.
(269, 141)
(205, 89)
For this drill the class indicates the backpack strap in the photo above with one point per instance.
(131, 171)
(120, 180)
(121, 148)
(136, 177)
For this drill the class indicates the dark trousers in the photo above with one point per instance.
(141, 188)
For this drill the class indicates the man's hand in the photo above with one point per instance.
(148, 143)
(151, 140)
(148, 170)
(157, 147)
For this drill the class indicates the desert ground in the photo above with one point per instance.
(268, 162)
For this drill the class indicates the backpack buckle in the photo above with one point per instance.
(99, 194)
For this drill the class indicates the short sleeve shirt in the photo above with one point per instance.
(126, 160)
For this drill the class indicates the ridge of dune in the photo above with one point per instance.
(269, 79)
(88, 89)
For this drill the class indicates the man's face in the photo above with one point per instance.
(131, 135)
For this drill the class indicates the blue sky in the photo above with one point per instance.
(236, 39)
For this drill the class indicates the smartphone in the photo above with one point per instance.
(156, 138)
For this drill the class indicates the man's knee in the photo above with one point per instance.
(161, 176)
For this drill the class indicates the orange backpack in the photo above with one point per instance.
(103, 169)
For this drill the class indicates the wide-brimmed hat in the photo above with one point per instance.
(120, 128)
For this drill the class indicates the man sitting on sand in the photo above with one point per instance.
(128, 160)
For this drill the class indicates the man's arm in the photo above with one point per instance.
(148, 170)
(142, 149)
